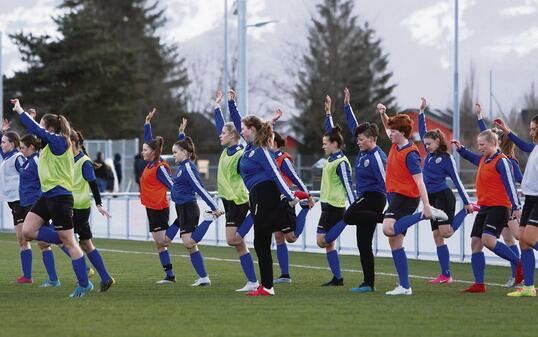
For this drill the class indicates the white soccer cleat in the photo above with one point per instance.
(399, 290)
(250, 286)
(438, 214)
(202, 282)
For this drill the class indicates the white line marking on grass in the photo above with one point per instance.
(275, 264)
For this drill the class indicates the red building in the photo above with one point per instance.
(435, 119)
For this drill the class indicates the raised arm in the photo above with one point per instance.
(289, 170)
(384, 118)
(198, 185)
(478, 112)
(234, 113)
(329, 125)
(422, 121)
(344, 173)
(6, 124)
(348, 111)
(181, 135)
(504, 167)
(147, 125)
(219, 116)
(523, 145)
(466, 154)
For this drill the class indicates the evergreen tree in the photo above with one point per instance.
(342, 53)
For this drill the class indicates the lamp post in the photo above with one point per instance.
(456, 114)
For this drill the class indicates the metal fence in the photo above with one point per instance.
(129, 222)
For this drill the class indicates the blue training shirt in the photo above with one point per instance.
(29, 185)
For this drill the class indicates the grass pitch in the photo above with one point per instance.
(135, 306)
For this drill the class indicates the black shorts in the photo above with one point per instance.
(235, 214)
(289, 221)
(265, 206)
(158, 219)
(187, 217)
(59, 209)
(529, 215)
(400, 206)
(81, 223)
(445, 201)
(329, 217)
(367, 209)
(17, 211)
(490, 219)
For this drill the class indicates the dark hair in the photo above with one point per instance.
(279, 141)
(336, 136)
(264, 130)
(505, 144)
(13, 137)
(156, 144)
(31, 140)
(78, 140)
(367, 129)
(59, 124)
(535, 119)
(437, 134)
(402, 123)
(188, 145)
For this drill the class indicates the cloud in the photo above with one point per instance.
(520, 45)
(530, 7)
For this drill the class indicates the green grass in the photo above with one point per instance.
(135, 306)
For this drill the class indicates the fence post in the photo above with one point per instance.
(128, 216)
(417, 227)
(108, 219)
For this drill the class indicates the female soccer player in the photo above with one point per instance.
(367, 210)
(56, 202)
(11, 161)
(438, 165)
(510, 232)
(265, 184)
(336, 186)
(406, 188)
(232, 190)
(528, 237)
(495, 189)
(84, 180)
(154, 184)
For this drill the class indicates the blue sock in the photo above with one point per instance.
(512, 264)
(458, 219)
(400, 262)
(334, 263)
(478, 262)
(26, 262)
(245, 226)
(171, 231)
(97, 261)
(506, 253)
(46, 234)
(65, 250)
(528, 263)
(282, 256)
(335, 232)
(405, 222)
(247, 263)
(444, 259)
(200, 231)
(198, 263)
(79, 266)
(301, 220)
(50, 266)
(164, 256)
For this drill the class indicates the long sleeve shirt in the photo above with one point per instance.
(529, 184)
(288, 169)
(186, 182)
(29, 187)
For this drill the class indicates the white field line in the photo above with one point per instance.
(275, 264)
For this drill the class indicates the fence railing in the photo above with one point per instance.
(129, 222)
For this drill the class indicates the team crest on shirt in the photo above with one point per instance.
(251, 154)
(179, 173)
(438, 160)
(366, 162)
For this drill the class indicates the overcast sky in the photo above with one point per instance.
(501, 35)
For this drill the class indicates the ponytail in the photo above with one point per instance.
(31, 140)
(188, 145)
(77, 139)
(264, 136)
(156, 145)
(59, 124)
(336, 136)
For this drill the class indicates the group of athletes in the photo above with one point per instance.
(47, 177)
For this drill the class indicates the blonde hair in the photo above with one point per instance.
(230, 127)
(490, 137)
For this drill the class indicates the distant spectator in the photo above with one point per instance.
(117, 167)
(111, 177)
(139, 165)
(100, 172)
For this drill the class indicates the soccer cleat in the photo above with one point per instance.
(107, 284)
(438, 214)
(202, 282)
(23, 280)
(476, 288)
(261, 291)
(81, 291)
(519, 273)
(399, 290)
(283, 279)
(441, 279)
(525, 291)
(250, 286)
(50, 284)
(363, 288)
(167, 280)
(335, 282)
(475, 207)
(510, 283)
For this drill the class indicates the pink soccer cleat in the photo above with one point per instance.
(23, 280)
(441, 279)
